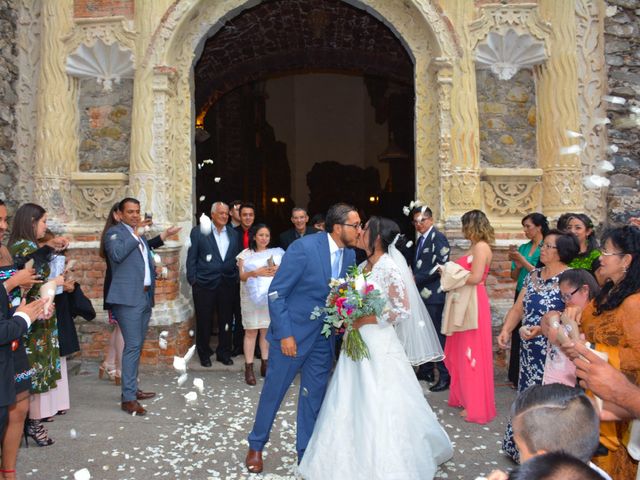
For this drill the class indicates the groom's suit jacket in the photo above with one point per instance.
(301, 284)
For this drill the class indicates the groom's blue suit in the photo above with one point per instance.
(301, 284)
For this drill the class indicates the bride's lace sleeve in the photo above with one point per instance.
(392, 286)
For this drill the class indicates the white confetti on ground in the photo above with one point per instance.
(82, 474)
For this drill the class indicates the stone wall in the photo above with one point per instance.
(105, 126)
(622, 50)
(8, 100)
(507, 118)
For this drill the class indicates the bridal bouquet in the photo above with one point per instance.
(350, 298)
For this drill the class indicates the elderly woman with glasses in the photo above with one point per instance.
(610, 323)
(540, 294)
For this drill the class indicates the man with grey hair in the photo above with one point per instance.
(299, 218)
(212, 273)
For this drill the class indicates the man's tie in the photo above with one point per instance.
(335, 265)
(419, 248)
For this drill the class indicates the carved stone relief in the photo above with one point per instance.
(93, 194)
(511, 193)
(28, 46)
(592, 85)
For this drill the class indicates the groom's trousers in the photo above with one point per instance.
(314, 367)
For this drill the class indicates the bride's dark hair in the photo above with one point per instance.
(387, 230)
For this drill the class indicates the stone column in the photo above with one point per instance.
(57, 122)
(144, 176)
(557, 112)
(461, 179)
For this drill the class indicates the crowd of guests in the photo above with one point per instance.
(569, 289)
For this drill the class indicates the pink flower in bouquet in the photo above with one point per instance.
(339, 303)
(370, 288)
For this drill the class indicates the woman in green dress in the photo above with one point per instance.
(41, 342)
(582, 227)
(524, 259)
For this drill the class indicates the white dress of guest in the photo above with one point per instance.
(375, 422)
(253, 292)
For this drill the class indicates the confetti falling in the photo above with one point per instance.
(570, 150)
(205, 225)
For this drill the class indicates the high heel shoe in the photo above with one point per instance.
(111, 373)
(35, 430)
(117, 378)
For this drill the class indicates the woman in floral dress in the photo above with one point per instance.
(41, 342)
(540, 294)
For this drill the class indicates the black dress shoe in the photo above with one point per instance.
(237, 351)
(441, 386)
(206, 362)
(427, 376)
(224, 360)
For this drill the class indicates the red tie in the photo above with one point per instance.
(245, 239)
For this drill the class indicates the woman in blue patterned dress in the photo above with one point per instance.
(540, 294)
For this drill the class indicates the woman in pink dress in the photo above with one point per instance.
(469, 354)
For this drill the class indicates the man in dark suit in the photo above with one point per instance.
(212, 272)
(131, 295)
(295, 342)
(432, 248)
(299, 218)
(12, 327)
(247, 213)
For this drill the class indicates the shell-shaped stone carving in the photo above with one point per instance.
(106, 63)
(506, 53)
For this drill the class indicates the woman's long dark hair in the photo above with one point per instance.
(24, 221)
(108, 224)
(627, 240)
(592, 242)
(386, 229)
(252, 235)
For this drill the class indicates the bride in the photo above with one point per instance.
(375, 422)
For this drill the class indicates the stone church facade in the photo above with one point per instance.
(98, 103)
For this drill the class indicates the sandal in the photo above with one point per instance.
(35, 430)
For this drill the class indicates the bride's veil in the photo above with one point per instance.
(417, 333)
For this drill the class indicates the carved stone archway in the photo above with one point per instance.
(162, 159)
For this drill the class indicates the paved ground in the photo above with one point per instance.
(207, 439)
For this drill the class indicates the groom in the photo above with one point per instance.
(295, 342)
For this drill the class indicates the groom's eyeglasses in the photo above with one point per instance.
(357, 226)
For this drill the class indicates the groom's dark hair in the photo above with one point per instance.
(336, 215)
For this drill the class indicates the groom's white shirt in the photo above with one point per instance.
(333, 248)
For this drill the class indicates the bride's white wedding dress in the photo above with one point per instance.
(375, 422)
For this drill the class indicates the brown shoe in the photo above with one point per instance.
(263, 367)
(249, 376)
(254, 461)
(133, 408)
(140, 395)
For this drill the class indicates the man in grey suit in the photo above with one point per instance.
(212, 272)
(131, 296)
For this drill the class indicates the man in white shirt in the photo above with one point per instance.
(212, 272)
